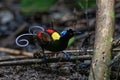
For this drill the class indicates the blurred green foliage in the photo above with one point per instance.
(86, 3)
(31, 6)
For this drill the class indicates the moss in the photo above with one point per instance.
(112, 14)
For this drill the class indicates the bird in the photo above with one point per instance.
(50, 39)
(54, 41)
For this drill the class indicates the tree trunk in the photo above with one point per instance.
(103, 40)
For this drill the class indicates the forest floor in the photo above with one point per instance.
(13, 23)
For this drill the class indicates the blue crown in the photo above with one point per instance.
(63, 33)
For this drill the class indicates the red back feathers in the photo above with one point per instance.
(50, 31)
(39, 34)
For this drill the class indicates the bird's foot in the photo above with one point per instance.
(39, 55)
(45, 59)
(67, 55)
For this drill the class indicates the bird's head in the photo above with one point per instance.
(70, 33)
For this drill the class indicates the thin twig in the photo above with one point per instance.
(10, 58)
(114, 60)
(30, 54)
(40, 61)
(16, 52)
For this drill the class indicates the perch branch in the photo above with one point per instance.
(30, 54)
(41, 61)
(16, 52)
(9, 58)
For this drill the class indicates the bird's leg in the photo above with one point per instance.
(67, 55)
(44, 57)
(38, 53)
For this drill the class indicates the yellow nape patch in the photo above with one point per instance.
(55, 36)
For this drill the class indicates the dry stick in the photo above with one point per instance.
(30, 54)
(16, 52)
(114, 60)
(8, 58)
(10, 38)
(40, 61)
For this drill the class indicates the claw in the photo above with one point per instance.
(67, 55)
